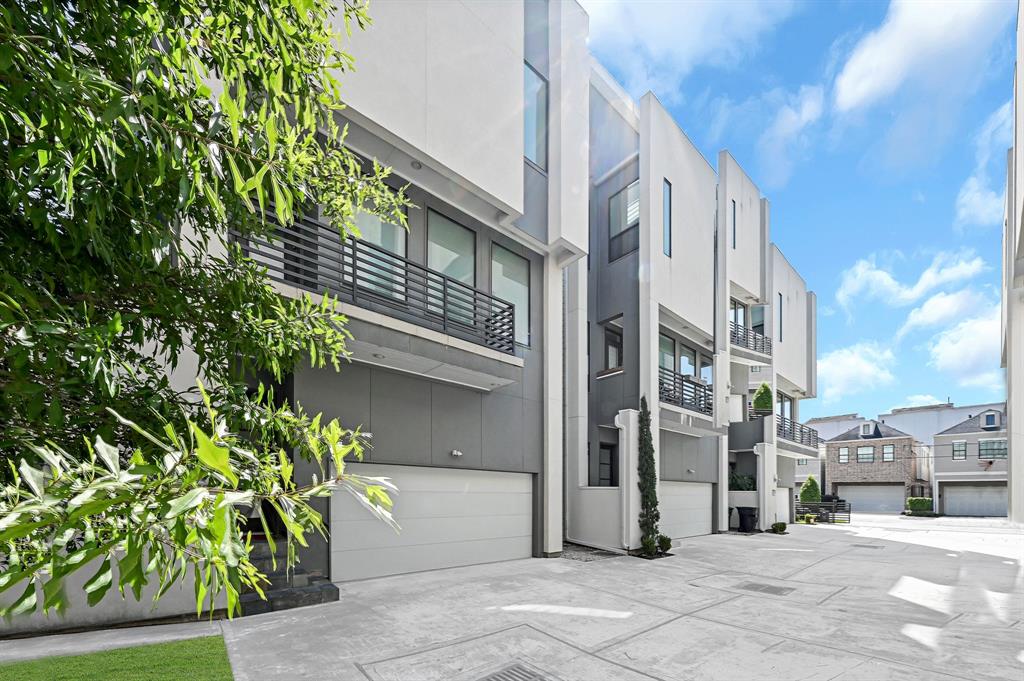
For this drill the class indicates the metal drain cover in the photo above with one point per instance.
(868, 546)
(766, 588)
(516, 672)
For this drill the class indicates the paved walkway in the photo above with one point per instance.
(876, 600)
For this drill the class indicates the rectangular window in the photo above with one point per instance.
(451, 250)
(666, 352)
(757, 318)
(801, 462)
(959, 451)
(624, 222)
(844, 455)
(784, 405)
(687, 361)
(734, 224)
(666, 218)
(990, 419)
(510, 281)
(381, 272)
(865, 454)
(612, 348)
(607, 473)
(738, 313)
(888, 452)
(536, 118)
(780, 317)
(707, 371)
(992, 449)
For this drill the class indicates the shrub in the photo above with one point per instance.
(648, 546)
(778, 528)
(763, 398)
(810, 493)
(739, 482)
(919, 503)
(665, 543)
(648, 484)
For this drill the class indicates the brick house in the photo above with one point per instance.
(875, 467)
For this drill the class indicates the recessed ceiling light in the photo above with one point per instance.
(417, 165)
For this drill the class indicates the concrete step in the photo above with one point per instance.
(317, 591)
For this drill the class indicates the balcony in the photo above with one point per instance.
(748, 339)
(313, 257)
(788, 429)
(685, 392)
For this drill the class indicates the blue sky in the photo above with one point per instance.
(879, 133)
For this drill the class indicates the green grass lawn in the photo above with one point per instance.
(197, 659)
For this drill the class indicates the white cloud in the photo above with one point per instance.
(969, 352)
(943, 308)
(655, 45)
(865, 280)
(918, 401)
(978, 204)
(786, 136)
(935, 46)
(854, 369)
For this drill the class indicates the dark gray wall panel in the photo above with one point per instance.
(344, 396)
(455, 425)
(503, 421)
(400, 406)
(680, 454)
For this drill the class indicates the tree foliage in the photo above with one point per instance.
(810, 492)
(650, 516)
(763, 398)
(135, 139)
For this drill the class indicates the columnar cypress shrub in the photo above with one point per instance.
(763, 398)
(809, 491)
(648, 484)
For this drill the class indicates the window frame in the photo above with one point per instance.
(780, 316)
(610, 330)
(666, 217)
(543, 168)
(861, 453)
(529, 291)
(843, 455)
(888, 453)
(629, 230)
(959, 447)
(613, 464)
(991, 457)
(674, 365)
(734, 224)
(427, 246)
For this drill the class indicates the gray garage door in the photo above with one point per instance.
(449, 517)
(685, 508)
(979, 500)
(874, 498)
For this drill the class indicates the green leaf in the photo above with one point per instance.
(187, 502)
(108, 454)
(99, 583)
(213, 456)
(26, 602)
(54, 595)
(33, 477)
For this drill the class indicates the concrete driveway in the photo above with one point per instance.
(884, 598)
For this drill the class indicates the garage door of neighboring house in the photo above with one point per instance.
(874, 498)
(685, 508)
(449, 517)
(782, 497)
(979, 500)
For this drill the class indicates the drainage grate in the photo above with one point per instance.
(766, 588)
(868, 546)
(516, 672)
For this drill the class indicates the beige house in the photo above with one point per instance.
(970, 466)
(875, 467)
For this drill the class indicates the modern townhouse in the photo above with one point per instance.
(456, 375)
(876, 467)
(675, 304)
(1012, 321)
(969, 466)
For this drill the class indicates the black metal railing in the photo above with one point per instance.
(749, 339)
(312, 256)
(788, 429)
(685, 392)
(824, 511)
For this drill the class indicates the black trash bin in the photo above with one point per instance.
(748, 518)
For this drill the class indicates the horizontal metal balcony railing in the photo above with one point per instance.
(788, 429)
(685, 392)
(749, 339)
(312, 256)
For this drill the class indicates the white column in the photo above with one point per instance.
(628, 423)
(1015, 401)
(722, 500)
(552, 484)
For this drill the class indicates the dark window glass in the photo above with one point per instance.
(607, 473)
(536, 118)
(612, 348)
(624, 222)
(666, 218)
(992, 449)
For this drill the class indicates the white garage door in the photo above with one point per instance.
(981, 500)
(448, 518)
(782, 497)
(685, 508)
(874, 498)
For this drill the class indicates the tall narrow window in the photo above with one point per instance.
(612, 348)
(687, 361)
(666, 218)
(624, 222)
(707, 371)
(780, 317)
(734, 223)
(666, 352)
(844, 455)
(510, 281)
(381, 272)
(451, 250)
(888, 452)
(536, 118)
(607, 465)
